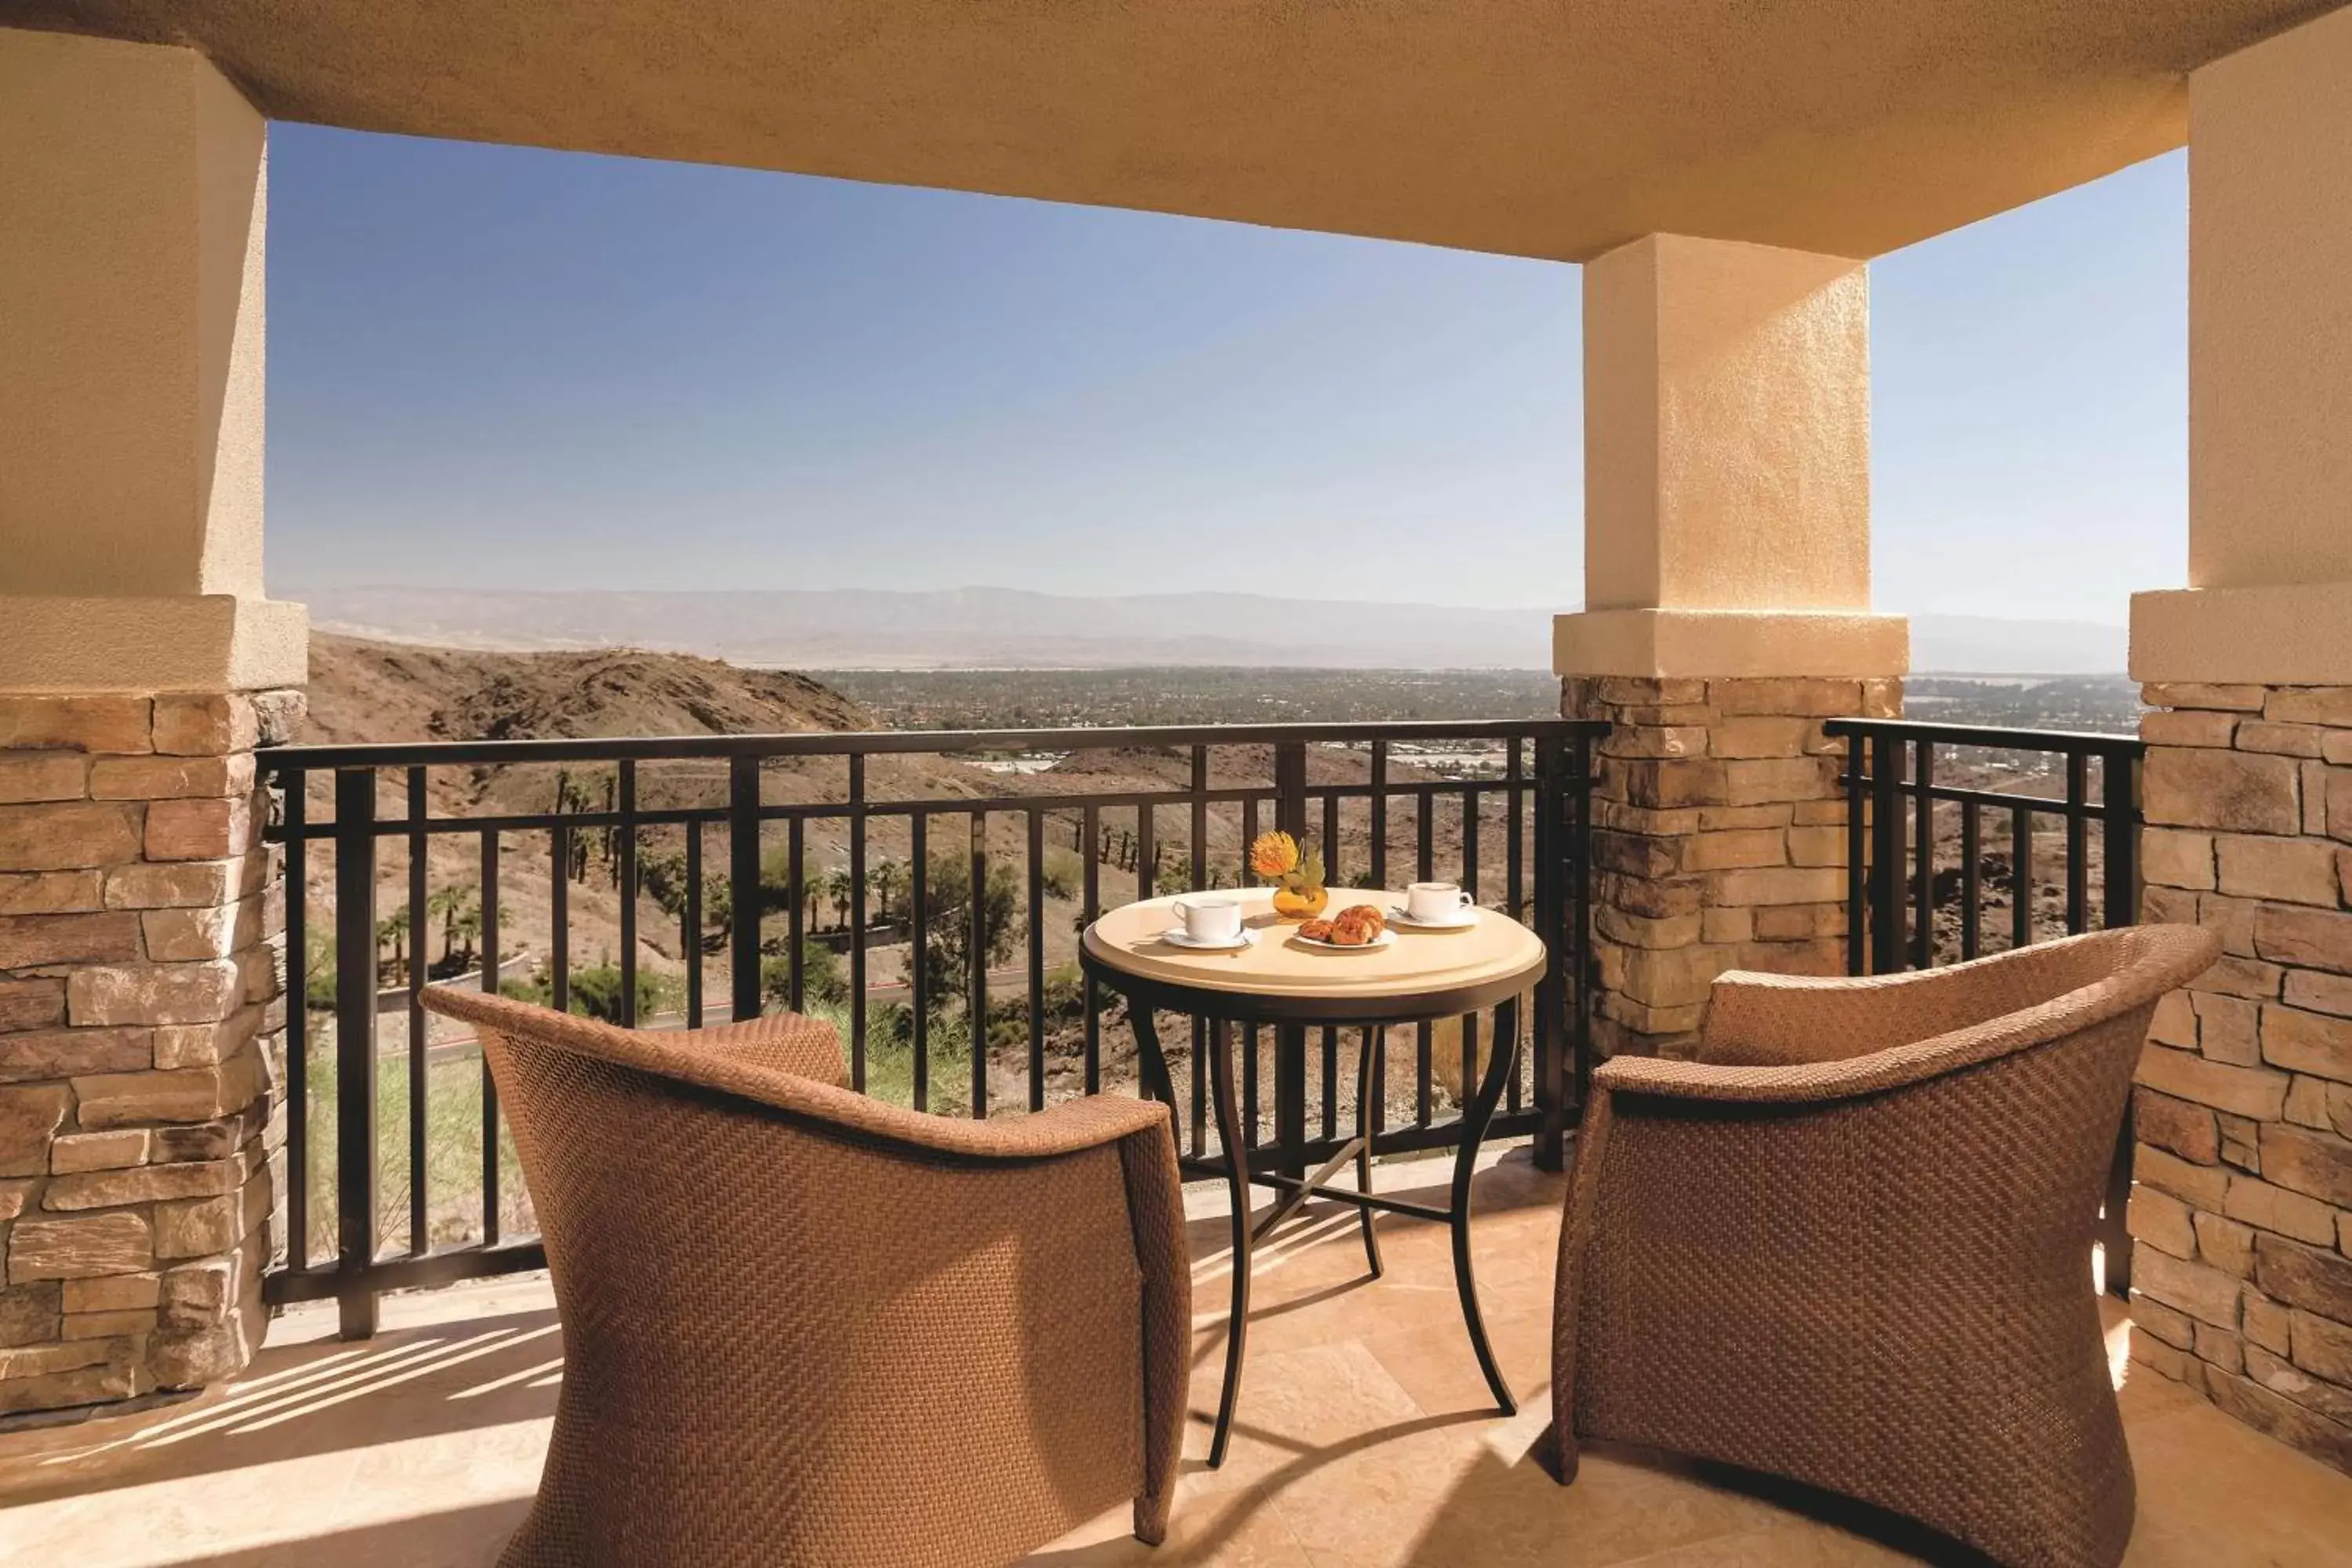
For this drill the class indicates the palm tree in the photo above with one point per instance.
(451, 905)
(392, 931)
(888, 879)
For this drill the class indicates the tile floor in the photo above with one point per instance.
(1364, 1438)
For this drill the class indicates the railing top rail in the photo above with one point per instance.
(1988, 735)
(871, 742)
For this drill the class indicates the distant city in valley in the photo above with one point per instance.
(1046, 698)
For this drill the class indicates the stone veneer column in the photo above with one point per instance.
(140, 962)
(1718, 837)
(1727, 556)
(2243, 1210)
(2242, 1284)
(142, 1016)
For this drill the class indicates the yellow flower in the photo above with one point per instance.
(1274, 855)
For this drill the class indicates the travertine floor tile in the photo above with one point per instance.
(1365, 1438)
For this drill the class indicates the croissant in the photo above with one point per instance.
(1315, 930)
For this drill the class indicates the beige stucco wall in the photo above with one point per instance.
(1725, 644)
(1727, 467)
(2270, 363)
(1726, 455)
(2270, 312)
(133, 205)
(130, 313)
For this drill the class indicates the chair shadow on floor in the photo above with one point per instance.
(308, 1399)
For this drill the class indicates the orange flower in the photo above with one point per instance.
(1274, 855)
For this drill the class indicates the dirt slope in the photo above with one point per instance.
(375, 692)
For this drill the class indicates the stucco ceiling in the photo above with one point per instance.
(1546, 128)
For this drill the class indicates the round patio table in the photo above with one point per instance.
(1280, 981)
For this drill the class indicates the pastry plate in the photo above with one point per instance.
(1385, 939)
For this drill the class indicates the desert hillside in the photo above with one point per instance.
(364, 691)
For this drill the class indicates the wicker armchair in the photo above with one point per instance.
(804, 1327)
(1850, 1244)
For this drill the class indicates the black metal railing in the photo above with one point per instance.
(632, 820)
(1913, 791)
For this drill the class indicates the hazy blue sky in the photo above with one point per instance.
(542, 369)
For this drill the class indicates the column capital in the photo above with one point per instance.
(195, 642)
(1729, 644)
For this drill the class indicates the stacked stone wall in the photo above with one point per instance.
(141, 1018)
(2241, 1211)
(1719, 840)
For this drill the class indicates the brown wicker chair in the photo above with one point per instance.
(803, 1327)
(1850, 1245)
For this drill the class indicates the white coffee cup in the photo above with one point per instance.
(1435, 903)
(1210, 917)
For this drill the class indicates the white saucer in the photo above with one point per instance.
(1378, 942)
(1463, 922)
(1176, 936)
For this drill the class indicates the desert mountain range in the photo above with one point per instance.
(1005, 629)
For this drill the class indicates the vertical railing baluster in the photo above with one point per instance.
(1091, 874)
(1885, 855)
(559, 917)
(797, 935)
(419, 897)
(1971, 893)
(1200, 878)
(1424, 1036)
(624, 879)
(918, 950)
(491, 1147)
(743, 888)
(1857, 858)
(2119, 833)
(1552, 872)
(690, 925)
(977, 952)
(2119, 828)
(2078, 855)
(1248, 1032)
(1579, 908)
(857, 921)
(1922, 871)
(1330, 1063)
(1514, 894)
(1037, 958)
(355, 1065)
(2021, 878)
(1469, 886)
(295, 784)
(1378, 810)
(1290, 1039)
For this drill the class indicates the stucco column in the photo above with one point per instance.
(2242, 1277)
(141, 949)
(1727, 563)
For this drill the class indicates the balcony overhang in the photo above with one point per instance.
(1527, 127)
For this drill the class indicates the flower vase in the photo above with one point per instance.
(1300, 904)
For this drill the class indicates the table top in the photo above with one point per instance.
(1497, 953)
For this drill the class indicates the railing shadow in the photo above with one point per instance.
(305, 1400)
(457, 1539)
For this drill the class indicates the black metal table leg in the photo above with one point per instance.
(1375, 1040)
(1236, 1153)
(1475, 1116)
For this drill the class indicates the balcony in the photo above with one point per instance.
(270, 1289)
(386, 1422)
